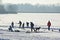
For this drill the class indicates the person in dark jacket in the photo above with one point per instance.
(20, 23)
(32, 26)
(49, 24)
(27, 23)
(23, 25)
(12, 24)
(10, 29)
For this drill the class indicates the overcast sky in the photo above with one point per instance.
(32, 1)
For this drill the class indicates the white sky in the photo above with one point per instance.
(32, 1)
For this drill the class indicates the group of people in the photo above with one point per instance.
(22, 25)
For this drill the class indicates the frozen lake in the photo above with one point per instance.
(37, 18)
(42, 35)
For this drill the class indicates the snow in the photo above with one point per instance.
(22, 35)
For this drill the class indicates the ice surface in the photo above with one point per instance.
(22, 35)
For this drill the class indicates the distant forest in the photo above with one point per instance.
(28, 8)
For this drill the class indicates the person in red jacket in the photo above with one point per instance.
(49, 24)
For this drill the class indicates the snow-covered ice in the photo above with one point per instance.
(22, 35)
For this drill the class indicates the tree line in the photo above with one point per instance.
(28, 8)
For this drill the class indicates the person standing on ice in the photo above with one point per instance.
(20, 23)
(32, 26)
(12, 24)
(27, 23)
(23, 25)
(49, 24)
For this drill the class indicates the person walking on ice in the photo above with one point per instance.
(49, 25)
